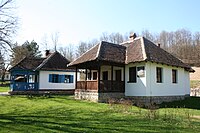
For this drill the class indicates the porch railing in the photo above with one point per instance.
(111, 86)
(87, 85)
(105, 86)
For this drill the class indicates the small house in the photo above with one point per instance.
(43, 74)
(137, 69)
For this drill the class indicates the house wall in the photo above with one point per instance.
(147, 86)
(7, 77)
(108, 68)
(135, 89)
(45, 84)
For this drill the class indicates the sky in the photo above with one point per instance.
(84, 20)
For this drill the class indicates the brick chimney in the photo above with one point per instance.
(132, 36)
(47, 52)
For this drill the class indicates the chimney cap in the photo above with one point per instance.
(133, 35)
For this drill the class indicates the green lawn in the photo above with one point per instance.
(4, 89)
(64, 114)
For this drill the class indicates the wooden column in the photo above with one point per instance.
(112, 77)
(90, 74)
(99, 76)
(86, 79)
(124, 79)
(76, 78)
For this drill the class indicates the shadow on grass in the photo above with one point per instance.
(81, 121)
(189, 102)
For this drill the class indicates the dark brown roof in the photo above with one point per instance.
(159, 55)
(28, 63)
(53, 62)
(141, 49)
(104, 51)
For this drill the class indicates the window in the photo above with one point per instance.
(174, 76)
(118, 75)
(132, 75)
(31, 78)
(94, 75)
(140, 71)
(159, 75)
(105, 75)
(56, 78)
(68, 78)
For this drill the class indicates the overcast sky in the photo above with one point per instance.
(83, 20)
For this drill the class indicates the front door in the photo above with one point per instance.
(118, 75)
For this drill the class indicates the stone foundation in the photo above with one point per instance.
(97, 97)
(86, 95)
(142, 100)
(155, 99)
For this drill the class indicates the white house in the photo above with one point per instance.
(137, 69)
(43, 74)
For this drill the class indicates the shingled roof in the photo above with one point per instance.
(55, 61)
(138, 50)
(104, 51)
(141, 49)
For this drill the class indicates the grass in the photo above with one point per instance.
(4, 89)
(64, 114)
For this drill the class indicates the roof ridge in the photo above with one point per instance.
(85, 53)
(143, 48)
(99, 48)
(18, 62)
(45, 61)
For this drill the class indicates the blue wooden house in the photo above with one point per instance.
(37, 74)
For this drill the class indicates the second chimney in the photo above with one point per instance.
(47, 52)
(132, 36)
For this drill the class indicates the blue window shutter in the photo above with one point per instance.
(62, 78)
(59, 78)
(71, 78)
(50, 77)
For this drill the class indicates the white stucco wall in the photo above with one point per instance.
(135, 89)
(147, 86)
(45, 84)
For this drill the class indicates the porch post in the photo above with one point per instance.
(86, 78)
(76, 79)
(124, 79)
(90, 74)
(112, 77)
(99, 76)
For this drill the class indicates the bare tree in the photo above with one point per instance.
(44, 42)
(67, 52)
(54, 38)
(116, 38)
(8, 23)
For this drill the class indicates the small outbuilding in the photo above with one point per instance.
(43, 74)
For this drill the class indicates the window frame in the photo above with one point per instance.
(174, 79)
(94, 75)
(132, 74)
(103, 75)
(159, 75)
(60, 78)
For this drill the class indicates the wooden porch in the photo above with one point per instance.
(103, 86)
